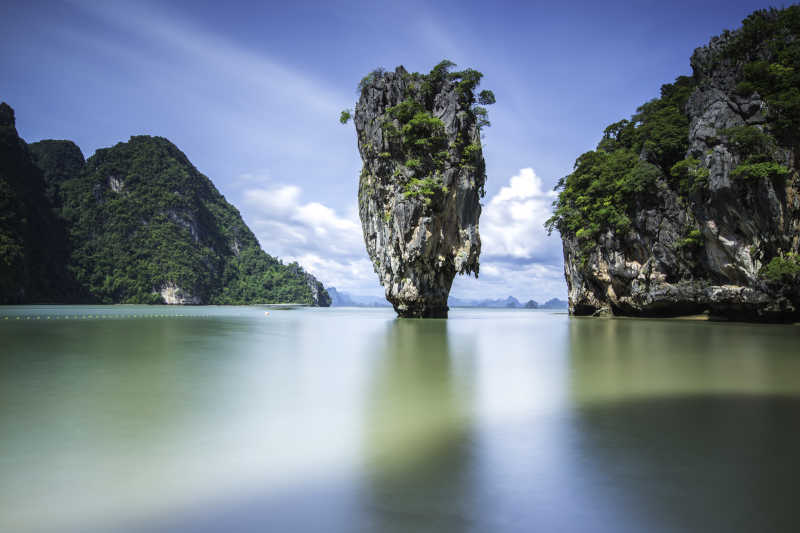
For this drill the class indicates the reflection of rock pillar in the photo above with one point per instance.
(417, 421)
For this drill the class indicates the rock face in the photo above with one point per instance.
(174, 295)
(33, 244)
(319, 295)
(421, 183)
(705, 250)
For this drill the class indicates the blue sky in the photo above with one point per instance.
(251, 92)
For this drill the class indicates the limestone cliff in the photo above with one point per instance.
(33, 244)
(694, 204)
(421, 183)
(135, 223)
(319, 294)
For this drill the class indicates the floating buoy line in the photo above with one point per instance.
(104, 316)
(112, 316)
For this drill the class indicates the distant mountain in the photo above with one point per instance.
(340, 299)
(509, 303)
(554, 303)
(343, 299)
(135, 223)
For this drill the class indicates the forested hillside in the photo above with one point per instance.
(135, 223)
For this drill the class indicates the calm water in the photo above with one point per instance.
(345, 420)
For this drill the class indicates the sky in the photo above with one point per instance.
(251, 93)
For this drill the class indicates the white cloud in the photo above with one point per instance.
(279, 199)
(512, 224)
(327, 244)
(355, 276)
(518, 257)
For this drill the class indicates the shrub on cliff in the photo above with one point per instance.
(595, 196)
(782, 268)
(418, 139)
(602, 191)
(776, 79)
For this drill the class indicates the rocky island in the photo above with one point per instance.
(419, 136)
(693, 205)
(135, 223)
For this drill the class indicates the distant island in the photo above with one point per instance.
(344, 299)
(135, 223)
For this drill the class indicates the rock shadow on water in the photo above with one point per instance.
(684, 426)
(700, 463)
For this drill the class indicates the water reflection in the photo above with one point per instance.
(418, 431)
(708, 463)
(92, 412)
(620, 358)
(350, 420)
(685, 427)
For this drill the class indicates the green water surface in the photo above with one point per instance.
(133, 418)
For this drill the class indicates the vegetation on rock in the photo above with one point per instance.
(419, 137)
(768, 50)
(691, 204)
(609, 182)
(33, 245)
(608, 185)
(782, 268)
(417, 140)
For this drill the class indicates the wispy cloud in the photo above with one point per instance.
(175, 36)
(512, 224)
(518, 258)
(207, 89)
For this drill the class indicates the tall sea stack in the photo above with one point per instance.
(419, 193)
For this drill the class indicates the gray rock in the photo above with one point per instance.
(648, 272)
(175, 295)
(417, 243)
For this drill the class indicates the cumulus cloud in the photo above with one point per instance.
(327, 244)
(535, 281)
(512, 224)
(518, 258)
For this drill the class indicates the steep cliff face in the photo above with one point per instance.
(421, 183)
(694, 205)
(319, 294)
(33, 244)
(59, 161)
